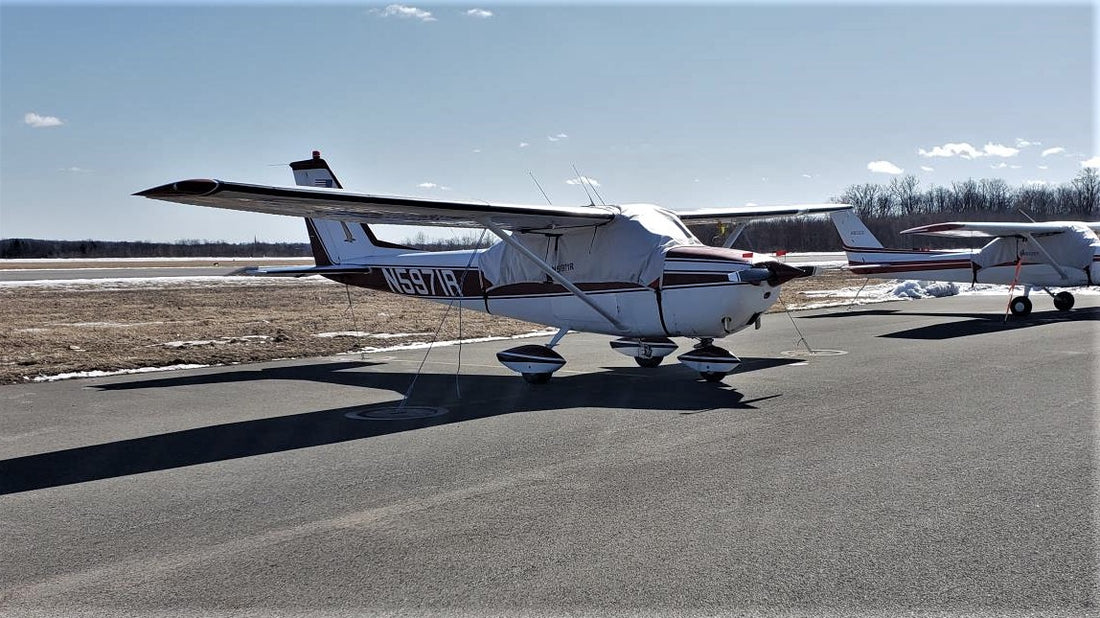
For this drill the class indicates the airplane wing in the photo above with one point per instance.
(365, 208)
(748, 213)
(979, 229)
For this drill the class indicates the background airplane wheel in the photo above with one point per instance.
(649, 363)
(537, 378)
(712, 376)
(1063, 301)
(1021, 306)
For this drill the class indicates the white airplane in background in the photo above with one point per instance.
(1058, 254)
(634, 271)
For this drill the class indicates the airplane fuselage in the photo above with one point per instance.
(968, 267)
(699, 293)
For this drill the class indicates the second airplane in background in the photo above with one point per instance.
(1054, 254)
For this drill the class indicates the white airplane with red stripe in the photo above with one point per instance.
(633, 271)
(1054, 254)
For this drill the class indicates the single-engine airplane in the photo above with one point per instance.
(633, 271)
(1054, 254)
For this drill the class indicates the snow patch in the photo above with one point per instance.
(439, 344)
(127, 283)
(218, 341)
(359, 333)
(103, 374)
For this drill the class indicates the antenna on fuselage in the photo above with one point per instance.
(532, 174)
(580, 180)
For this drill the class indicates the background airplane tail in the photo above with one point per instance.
(853, 233)
(336, 242)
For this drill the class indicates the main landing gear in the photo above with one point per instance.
(1020, 306)
(537, 363)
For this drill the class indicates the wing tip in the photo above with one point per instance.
(195, 186)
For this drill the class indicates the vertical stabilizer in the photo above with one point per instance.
(334, 241)
(853, 233)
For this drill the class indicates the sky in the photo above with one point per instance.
(697, 106)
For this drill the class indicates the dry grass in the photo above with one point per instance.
(52, 330)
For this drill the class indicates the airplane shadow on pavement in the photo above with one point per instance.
(483, 396)
(970, 323)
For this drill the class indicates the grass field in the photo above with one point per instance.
(50, 330)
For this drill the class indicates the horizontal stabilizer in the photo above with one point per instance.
(297, 271)
(981, 229)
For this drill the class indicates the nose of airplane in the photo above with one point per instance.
(780, 273)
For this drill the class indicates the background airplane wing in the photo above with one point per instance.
(365, 208)
(979, 229)
(748, 213)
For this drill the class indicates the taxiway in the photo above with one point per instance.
(944, 463)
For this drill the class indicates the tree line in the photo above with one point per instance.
(26, 248)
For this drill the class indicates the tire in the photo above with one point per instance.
(1063, 301)
(537, 378)
(712, 376)
(1021, 306)
(649, 363)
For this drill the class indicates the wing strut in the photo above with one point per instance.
(1050, 259)
(553, 274)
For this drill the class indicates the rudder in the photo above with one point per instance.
(853, 233)
(334, 241)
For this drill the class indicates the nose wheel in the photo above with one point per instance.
(712, 362)
(1020, 306)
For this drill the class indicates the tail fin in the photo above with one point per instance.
(333, 241)
(853, 233)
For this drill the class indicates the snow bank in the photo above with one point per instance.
(924, 289)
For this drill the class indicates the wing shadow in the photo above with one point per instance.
(969, 324)
(484, 396)
(984, 323)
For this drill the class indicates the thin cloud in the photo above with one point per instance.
(1044, 167)
(1000, 150)
(999, 166)
(1052, 151)
(403, 12)
(966, 151)
(557, 138)
(36, 121)
(479, 13)
(1093, 163)
(925, 168)
(807, 176)
(1023, 143)
(951, 149)
(428, 185)
(523, 144)
(884, 167)
(75, 170)
(585, 179)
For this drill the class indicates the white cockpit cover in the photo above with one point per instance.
(1073, 248)
(631, 247)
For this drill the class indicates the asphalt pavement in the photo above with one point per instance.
(927, 459)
